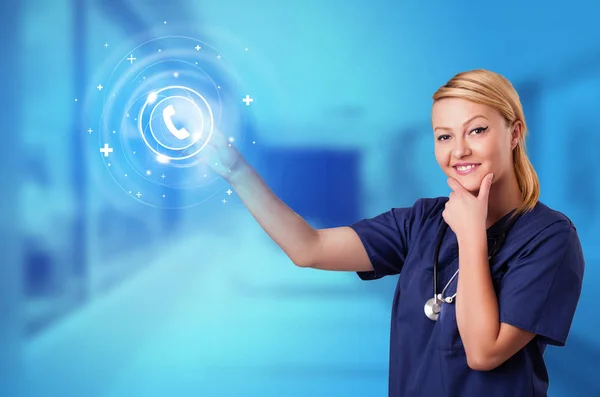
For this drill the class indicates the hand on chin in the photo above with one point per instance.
(471, 183)
(464, 211)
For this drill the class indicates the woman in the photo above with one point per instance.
(482, 332)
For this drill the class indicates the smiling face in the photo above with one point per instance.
(472, 140)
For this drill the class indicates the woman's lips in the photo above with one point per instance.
(465, 169)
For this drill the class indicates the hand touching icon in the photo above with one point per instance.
(220, 155)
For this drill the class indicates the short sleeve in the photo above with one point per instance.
(540, 291)
(387, 237)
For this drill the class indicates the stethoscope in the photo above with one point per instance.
(433, 306)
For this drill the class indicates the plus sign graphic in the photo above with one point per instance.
(248, 100)
(106, 150)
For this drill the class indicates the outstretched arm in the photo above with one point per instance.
(328, 249)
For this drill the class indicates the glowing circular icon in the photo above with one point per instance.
(187, 113)
(181, 105)
(162, 105)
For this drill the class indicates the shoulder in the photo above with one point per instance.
(543, 220)
(428, 207)
(424, 212)
(548, 231)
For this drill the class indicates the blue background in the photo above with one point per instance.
(101, 295)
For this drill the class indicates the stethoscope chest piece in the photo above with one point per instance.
(432, 308)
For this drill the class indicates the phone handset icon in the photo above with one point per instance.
(168, 113)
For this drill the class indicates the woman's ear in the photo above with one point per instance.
(516, 133)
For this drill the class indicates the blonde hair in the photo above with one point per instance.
(491, 89)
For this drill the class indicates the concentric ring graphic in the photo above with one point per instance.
(167, 135)
(162, 105)
(199, 138)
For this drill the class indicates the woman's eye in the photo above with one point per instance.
(479, 130)
(443, 137)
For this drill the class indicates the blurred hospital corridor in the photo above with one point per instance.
(217, 316)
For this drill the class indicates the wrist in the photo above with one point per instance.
(474, 236)
(238, 172)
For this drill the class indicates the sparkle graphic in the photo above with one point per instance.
(131, 59)
(162, 159)
(197, 48)
(229, 192)
(105, 45)
(248, 100)
(99, 87)
(106, 150)
(152, 97)
(90, 130)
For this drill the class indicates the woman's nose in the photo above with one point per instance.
(461, 149)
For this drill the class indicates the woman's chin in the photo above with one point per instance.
(470, 183)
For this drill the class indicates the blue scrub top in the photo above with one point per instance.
(537, 275)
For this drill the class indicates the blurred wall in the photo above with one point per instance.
(10, 244)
